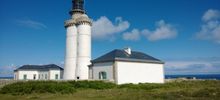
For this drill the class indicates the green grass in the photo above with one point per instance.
(97, 90)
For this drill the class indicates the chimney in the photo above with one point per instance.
(127, 50)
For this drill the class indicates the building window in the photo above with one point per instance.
(56, 76)
(34, 76)
(38, 76)
(45, 76)
(25, 77)
(102, 75)
(42, 76)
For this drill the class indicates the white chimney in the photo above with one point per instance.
(128, 50)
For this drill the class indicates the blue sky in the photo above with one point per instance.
(183, 33)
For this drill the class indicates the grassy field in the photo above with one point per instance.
(190, 90)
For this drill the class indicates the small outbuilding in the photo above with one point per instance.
(38, 72)
(126, 66)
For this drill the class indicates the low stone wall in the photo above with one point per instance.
(4, 82)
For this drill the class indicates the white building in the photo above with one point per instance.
(126, 66)
(78, 43)
(38, 72)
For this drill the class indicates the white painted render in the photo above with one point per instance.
(16, 75)
(136, 72)
(43, 75)
(129, 72)
(53, 74)
(90, 73)
(103, 67)
(84, 51)
(71, 53)
(20, 74)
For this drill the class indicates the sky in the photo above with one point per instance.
(185, 34)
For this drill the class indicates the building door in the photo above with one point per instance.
(56, 76)
(34, 76)
(102, 75)
(25, 77)
(46, 76)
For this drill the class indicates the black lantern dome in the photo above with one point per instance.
(77, 6)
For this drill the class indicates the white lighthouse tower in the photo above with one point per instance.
(78, 43)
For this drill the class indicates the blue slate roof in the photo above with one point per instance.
(39, 67)
(121, 55)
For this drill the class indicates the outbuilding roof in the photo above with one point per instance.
(39, 67)
(122, 55)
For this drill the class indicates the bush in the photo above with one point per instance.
(37, 87)
(29, 87)
(92, 84)
(184, 88)
(145, 86)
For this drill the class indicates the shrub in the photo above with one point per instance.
(29, 87)
(37, 87)
(145, 86)
(177, 89)
(92, 84)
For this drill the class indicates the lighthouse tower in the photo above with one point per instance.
(78, 43)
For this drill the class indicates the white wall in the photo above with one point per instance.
(84, 51)
(28, 73)
(16, 75)
(53, 74)
(90, 73)
(71, 53)
(44, 75)
(100, 67)
(134, 72)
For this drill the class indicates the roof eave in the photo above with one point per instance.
(139, 60)
(130, 60)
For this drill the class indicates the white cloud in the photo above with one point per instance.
(103, 28)
(193, 66)
(162, 31)
(32, 24)
(211, 14)
(134, 35)
(210, 30)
